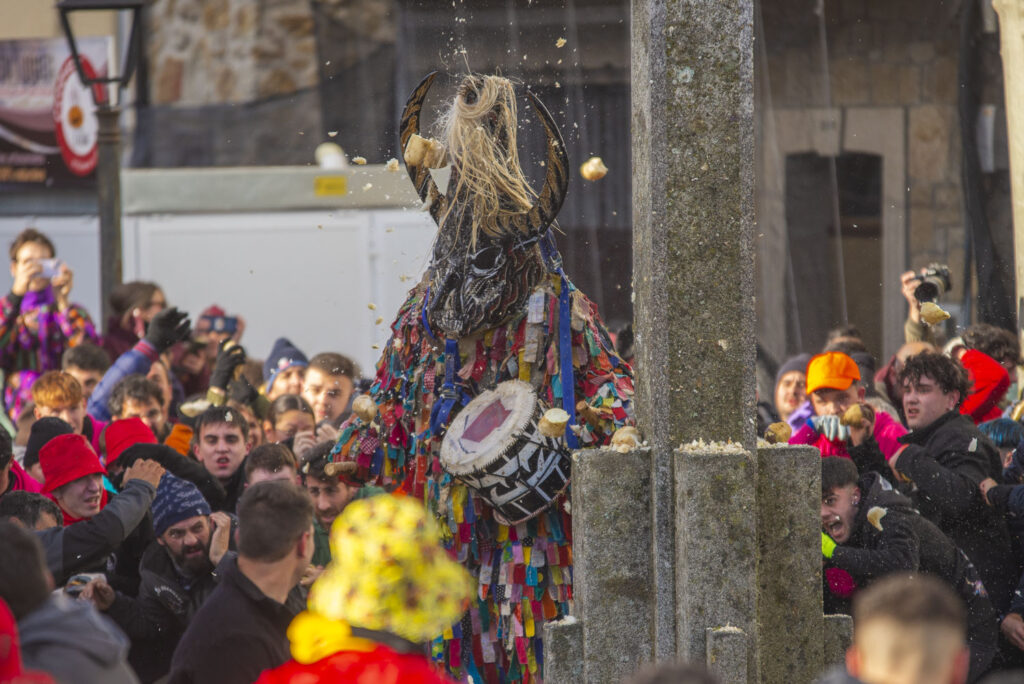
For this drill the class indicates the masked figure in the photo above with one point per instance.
(493, 306)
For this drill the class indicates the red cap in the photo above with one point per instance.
(124, 433)
(66, 458)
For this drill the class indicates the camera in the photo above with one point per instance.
(51, 268)
(934, 281)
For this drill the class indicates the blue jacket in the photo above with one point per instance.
(139, 359)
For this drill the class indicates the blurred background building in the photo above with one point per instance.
(881, 136)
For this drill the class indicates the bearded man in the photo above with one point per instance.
(177, 576)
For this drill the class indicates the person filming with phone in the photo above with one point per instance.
(38, 322)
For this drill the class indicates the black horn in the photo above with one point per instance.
(556, 181)
(410, 125)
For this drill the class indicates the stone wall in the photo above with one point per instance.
(884, 53)
(242, 82)
(205, 52)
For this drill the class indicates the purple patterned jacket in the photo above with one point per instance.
(33, 337)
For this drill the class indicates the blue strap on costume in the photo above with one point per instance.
(553, 260)
(441, 412)
(565, 361)
(423, 314)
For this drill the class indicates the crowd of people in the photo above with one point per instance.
(167, 502)
(922, 472)
(170, 510)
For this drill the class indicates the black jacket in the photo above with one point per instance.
(233, 488)
(946, 461)
(907, 542)
(166, 603)
(87, 546)
(237, 634)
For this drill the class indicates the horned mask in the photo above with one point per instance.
(486, 259)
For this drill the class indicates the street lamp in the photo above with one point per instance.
(108, 112)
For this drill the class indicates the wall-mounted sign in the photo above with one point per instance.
(74, 118)
(48, 122)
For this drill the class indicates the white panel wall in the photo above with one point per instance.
(307, 275)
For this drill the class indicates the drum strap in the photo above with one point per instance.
(553, 260)
(423, 314)
(441, 412)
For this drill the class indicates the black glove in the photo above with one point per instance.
(242, 391)
(228, 359)
(167, 327)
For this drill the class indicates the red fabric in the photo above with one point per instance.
(840, 582)
(11, 670)
(887, 433)
(21, 480)
(124, 433)
(98, 426)
(66, 458)
(379, 666)
(988, 383)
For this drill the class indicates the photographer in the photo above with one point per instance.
(37, 319)
(926, 286)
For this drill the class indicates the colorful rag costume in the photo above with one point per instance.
(33, 336)
(494, 305)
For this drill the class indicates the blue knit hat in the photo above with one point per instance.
(282, 356)
(176, 500)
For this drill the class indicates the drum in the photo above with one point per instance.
(494, 446)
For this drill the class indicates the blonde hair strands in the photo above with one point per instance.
(488, 174)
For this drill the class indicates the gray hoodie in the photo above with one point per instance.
(74, 643)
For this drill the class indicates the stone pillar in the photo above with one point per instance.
(727, 654)
(789, 603)
(716, 548)
(838, 638)
(563, 648)
(611, 562)
(1011, 35)
(693, 217)
(693, 265)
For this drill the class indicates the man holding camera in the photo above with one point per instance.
(926, 286)
(37, 319)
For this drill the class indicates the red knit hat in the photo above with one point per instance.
(124, 433)
(66, 458)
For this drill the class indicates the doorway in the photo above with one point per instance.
(817, 282)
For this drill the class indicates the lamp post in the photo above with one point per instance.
(108, 112)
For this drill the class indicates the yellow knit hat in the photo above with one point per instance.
(390, 573)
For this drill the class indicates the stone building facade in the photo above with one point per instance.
(869, 92)
(880, 93)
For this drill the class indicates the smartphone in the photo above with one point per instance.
(51, 268)
(221, 324)
(77, 582)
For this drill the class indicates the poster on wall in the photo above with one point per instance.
(48, 126)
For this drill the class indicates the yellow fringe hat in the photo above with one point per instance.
(389, 572)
